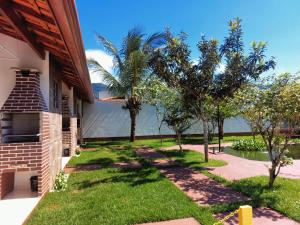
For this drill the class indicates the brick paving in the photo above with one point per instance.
(187, 221)
(261, 216)
(202, 189)
(239, 168)
(205, 191)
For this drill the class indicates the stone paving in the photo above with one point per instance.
(238, 168)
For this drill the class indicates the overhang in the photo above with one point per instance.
(50, 25)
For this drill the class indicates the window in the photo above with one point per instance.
(55, 94)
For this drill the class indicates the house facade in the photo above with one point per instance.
(44, 81)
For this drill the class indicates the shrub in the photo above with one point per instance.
(248, 145)
(77, 151)
(60, 182)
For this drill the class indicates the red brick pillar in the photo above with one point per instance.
(43, 172)
(7, 183)
(0, 185)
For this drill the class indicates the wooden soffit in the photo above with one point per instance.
(50, 25)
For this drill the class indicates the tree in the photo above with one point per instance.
(169, 106)
(225, 109)
(197, 84)
(130, 66)
(205, 82)
(239, 68)
(171, 63)
(268, 105)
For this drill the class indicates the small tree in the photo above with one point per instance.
(268, 105)
(168, 105)
(178, 119)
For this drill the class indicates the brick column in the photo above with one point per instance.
(7, 183)
(44, 170)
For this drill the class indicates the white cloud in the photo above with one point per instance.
(220, 68)
(102, 58)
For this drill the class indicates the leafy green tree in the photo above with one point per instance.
(205, 83)
(239, 67)
(225, 109)
(131, 67)
(171, 63)
(169, 106)
(268, 105)
(197, 84)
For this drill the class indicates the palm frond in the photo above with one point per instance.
(132, 42)
(155, 40)
(113, 85)
(111, 49)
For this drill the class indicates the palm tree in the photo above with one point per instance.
(131, 67)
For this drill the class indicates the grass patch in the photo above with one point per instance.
(192, 159)
(103, 156)
(168, 142)
(117, 197)
(284, 197)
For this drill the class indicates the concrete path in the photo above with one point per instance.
(239, 168)
(17, 206)
(261, 216)
(187, 221)
(202, 189)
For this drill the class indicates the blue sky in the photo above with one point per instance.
(274, 21)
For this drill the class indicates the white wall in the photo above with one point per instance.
(22, 180)
(109, 119)
(15, 53)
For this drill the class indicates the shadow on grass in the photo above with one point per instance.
(102, 161)
(133, 177)
(257, 192)
(180, 157)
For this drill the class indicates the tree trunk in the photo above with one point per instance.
(133, 123)
(221, 128)
(205, 138)
(179, 140)
(272, 176)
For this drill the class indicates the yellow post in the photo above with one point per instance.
(245, 215)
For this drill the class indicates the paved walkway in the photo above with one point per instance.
(202, 189)
(205, 191)
(187, 221)
(261, 216)
(17, 206)
(238, 168)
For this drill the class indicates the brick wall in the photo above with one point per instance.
(55, 146)
(26, 96)
(43, 157)
(70, 136)
(6, 183)
(19, 157)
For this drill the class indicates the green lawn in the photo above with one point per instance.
(103, 156)
(192, 159)
(284, 197)
(116, 197)
(166, 142)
